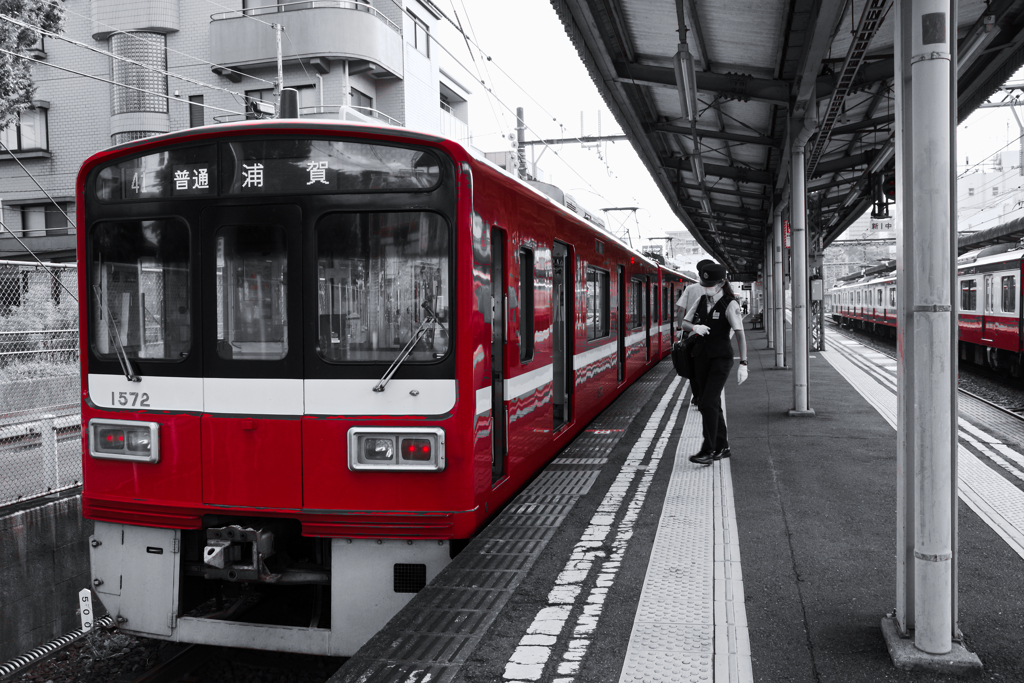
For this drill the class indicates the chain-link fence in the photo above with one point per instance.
(40, 421)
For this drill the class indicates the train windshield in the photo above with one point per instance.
(381, 276)
(139, 284)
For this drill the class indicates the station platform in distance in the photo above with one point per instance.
(623, 561)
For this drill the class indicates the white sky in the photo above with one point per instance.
(526, 40)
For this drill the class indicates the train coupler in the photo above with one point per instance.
(235, 553)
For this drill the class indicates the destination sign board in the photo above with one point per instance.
(270, 166)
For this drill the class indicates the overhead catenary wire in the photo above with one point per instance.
(33, 178)
(91, 48)
(136, 36)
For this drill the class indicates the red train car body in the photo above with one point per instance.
(988, 297)
(317, 358)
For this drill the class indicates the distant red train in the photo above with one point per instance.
(989, 311)
(317, 358)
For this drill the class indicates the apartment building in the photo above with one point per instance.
(368, 60)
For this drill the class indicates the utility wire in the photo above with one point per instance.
(240, 11)
(136, 36)
(120, 85)
(33, 255)
(91, 48)
(29, 174)
(989, 156)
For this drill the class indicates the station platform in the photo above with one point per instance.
(623, 561)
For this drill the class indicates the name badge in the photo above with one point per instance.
(715, 316)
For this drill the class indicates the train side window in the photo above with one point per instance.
(968, 295)
(879, 296)
(636, 298)
(597, 303)
(1009, 293)
(892, 297)
(526, 310)
(665, 304)
(858, 297)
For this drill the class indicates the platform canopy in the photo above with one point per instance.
(711, 117)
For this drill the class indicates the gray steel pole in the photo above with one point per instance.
(798, 231)
(769, 310)
(520, 142)
(926, 366)
(778, 297)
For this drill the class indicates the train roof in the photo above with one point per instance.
(997, 253)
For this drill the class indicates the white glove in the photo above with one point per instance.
(702, 330)
(741, 375)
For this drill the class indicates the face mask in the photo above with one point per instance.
(711, 291)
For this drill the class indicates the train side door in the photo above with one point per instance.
(498, 311)
(989, 308)
(621, 323)
(647, 315)
(561, 353)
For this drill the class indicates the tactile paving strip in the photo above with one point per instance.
(690, 624)
(443, 624)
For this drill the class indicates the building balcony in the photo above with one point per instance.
(452, 127)
(315, 30)
(333, 112)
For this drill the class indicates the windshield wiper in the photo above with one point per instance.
(429, 319)
(119, 350)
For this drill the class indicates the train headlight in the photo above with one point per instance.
(396, 449)
(124, 440)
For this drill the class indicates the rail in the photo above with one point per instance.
(353, 5)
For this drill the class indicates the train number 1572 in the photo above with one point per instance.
(132, 399)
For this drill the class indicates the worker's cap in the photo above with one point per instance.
(711, 274)
(702, 264)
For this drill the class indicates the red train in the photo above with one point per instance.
(317, 358)
(989, 310)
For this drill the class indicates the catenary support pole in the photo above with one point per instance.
(798, 235)
(926, 453)
(778, 297)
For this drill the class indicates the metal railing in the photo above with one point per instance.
(40, 422)
(322, 110)
(355, 5)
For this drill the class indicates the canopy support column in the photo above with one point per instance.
(798, 226)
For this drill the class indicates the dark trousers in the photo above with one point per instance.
(710, 376)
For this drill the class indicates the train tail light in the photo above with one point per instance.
(124, 440)
(396, 449)
(416, 450)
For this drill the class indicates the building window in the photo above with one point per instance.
(195, 111)
(597, 303)
(970, 191)
(995, 191)
(28, 132)
(420, 35)
(44, 220)
(360, 99)
(526, 313)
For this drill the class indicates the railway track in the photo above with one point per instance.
(990, 400)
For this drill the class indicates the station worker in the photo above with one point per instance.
(714, 316)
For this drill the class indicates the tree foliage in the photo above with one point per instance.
(16, 86)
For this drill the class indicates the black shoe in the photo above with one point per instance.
(724, 453)
(695, 400)
(703, 458)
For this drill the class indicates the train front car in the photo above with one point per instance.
(277, 452)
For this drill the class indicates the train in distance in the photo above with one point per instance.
(990, 316)
(317, 357)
